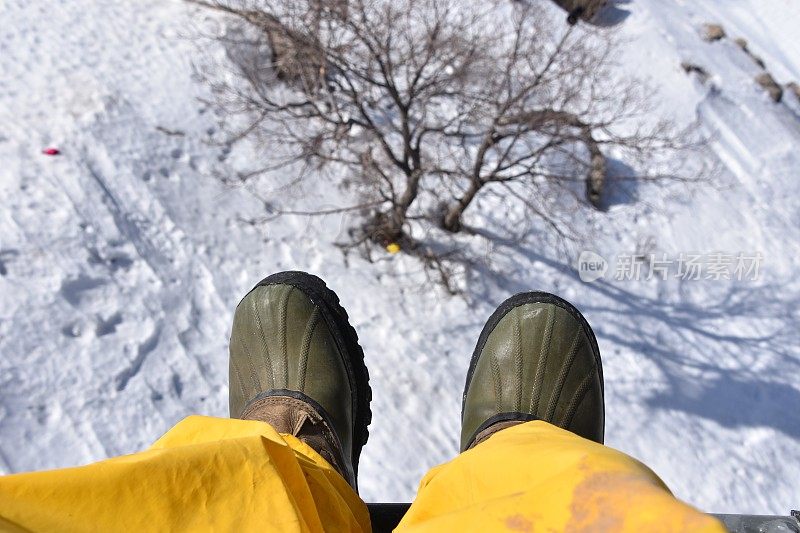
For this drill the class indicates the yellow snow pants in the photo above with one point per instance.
(232, 475)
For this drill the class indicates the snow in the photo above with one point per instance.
(122, 259)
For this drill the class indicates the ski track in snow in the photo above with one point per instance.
(122, 259)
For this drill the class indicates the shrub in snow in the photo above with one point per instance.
(425, 105)
(581, 9)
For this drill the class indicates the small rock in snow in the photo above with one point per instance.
(713, 32)
(768, 83)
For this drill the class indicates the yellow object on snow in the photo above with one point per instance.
(393, 248)
(211, 474)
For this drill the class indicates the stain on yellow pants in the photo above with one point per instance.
(231, 475)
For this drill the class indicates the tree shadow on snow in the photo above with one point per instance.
(612, 15)
(724, 357)
(621, 187)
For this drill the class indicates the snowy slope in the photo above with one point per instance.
(122, 259)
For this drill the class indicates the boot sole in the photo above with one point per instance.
(346, 340)
(518, 300)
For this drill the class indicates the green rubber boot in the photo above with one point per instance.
(295, 363)
(536, 359)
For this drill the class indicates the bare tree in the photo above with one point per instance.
(433, 102)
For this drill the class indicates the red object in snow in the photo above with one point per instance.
(51, 151)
